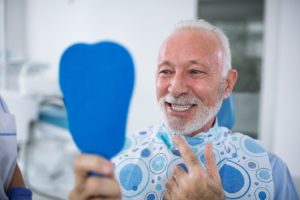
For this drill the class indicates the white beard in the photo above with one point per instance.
(185, 127)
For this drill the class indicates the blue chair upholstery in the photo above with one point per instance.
(226, 115)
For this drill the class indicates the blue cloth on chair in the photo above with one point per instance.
(226, 115)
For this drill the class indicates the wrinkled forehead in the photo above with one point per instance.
(195, 43)
(200, 36)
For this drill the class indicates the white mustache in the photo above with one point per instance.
(182, 99)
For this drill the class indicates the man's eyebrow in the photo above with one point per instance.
(165, 63)
(195, 62)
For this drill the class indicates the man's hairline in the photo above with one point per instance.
(218, 32)
(224, 74)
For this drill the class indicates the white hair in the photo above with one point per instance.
(202, 24)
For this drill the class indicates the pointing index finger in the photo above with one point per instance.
(211, 164)
(189, 158)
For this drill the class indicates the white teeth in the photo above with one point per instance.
(181, 108)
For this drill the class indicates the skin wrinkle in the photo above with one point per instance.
(221, 54)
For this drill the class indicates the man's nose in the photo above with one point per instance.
(178, 86)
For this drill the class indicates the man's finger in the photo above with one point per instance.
(167, 195)
(178, 174)
(102, 187)
(85, 164)
(211, 164)
(171, 184)
(189, 158)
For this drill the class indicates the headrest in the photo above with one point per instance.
(226, 115)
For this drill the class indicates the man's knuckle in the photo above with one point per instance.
(93, 185)
(193, 160)
(176, 171)
(169, 184)
(77, 163)
(166, 195)
(185, 187)
(185, 151)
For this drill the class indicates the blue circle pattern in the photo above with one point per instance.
(133, 175)
(252, 165)
(145, 153)
(151, 196)
(262, 194)
(194, 141)
(235, 182)
(235, 179)
(238, 179)
(264, 175)
(158, 187)
(253, 147)
(158, 164)
(125, 177)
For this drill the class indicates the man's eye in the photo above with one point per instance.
(165, 71)
(195, 71)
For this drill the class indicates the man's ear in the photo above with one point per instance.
(230, 81)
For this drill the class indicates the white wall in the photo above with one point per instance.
(15, 29)
(280, 106)
(141, 25)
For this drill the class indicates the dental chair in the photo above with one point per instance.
(226, 115)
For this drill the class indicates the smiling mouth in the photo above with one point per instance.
(180, 108)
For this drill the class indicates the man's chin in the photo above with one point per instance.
(178, 127)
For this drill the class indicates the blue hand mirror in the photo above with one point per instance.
(97, 82)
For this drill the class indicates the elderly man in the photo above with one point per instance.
(188, 156)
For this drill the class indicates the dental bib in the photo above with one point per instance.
(97, 83)
(149, 157)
